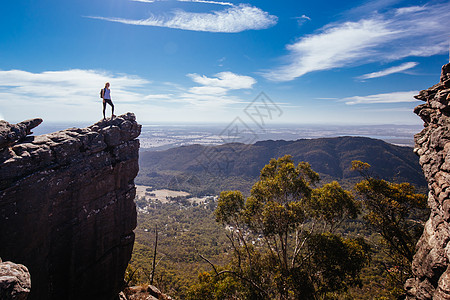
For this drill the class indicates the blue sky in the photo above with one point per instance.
(195, 61)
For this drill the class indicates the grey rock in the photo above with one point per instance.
(9, 133)
(431, 261)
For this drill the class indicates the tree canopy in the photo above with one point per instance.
(283, 239)
(397, 213)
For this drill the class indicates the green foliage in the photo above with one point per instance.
(333, 204)
(329, 264)
(184, 231)
(132, 276)
(213, 287)
(232, 202)
(281, 235)
(397, 213)
(325, 250)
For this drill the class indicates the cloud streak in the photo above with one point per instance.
(302, 19)
(68, 83)
(58, 93)
(194, 1)
(213, 91)
(389, 71)
(231, 20)
(381, 37)
(395, 97)
(226, 80)
(208, 2)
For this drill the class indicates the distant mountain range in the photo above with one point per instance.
(198, 168)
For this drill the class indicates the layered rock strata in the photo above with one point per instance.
(67, 206)
(431, 262)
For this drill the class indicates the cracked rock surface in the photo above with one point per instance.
(67, 206)
(431, 261)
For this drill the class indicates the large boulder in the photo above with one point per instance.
(15, 281)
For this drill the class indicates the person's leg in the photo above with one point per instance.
(112, 106)
(104, 109)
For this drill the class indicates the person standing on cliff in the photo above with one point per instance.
(106, 96)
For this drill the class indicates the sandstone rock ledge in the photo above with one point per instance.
(431, 262)
(67, 206)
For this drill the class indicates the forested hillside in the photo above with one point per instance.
(210, 169)
(190, 240)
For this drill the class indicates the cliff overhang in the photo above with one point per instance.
(67, 205)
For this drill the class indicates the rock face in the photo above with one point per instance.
(431, 262)
(15, 282)
(67, 206)
(9, 134)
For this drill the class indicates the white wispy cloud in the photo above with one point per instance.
(221, 61)
(208, 90)
(157, 96)
(371, 6)
(226, 80)
(233, 19)
(194, 1)
(61, 93)
(410, 9)
(302, 19)
(213, 92)
(68, 83)
(391, 70)
(74, 95)
(395, 97)
(383, 37)
(334, 47)
(208, 2)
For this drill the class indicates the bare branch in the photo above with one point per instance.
(154, 255)
(209, 262)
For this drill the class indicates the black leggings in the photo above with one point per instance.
(104, 106)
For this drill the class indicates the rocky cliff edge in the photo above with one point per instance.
(67, 206)
(431, 262)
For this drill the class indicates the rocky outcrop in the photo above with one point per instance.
(9, 134)
(67, 206)
(147, 292)
(431, 262)
(15, 282)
